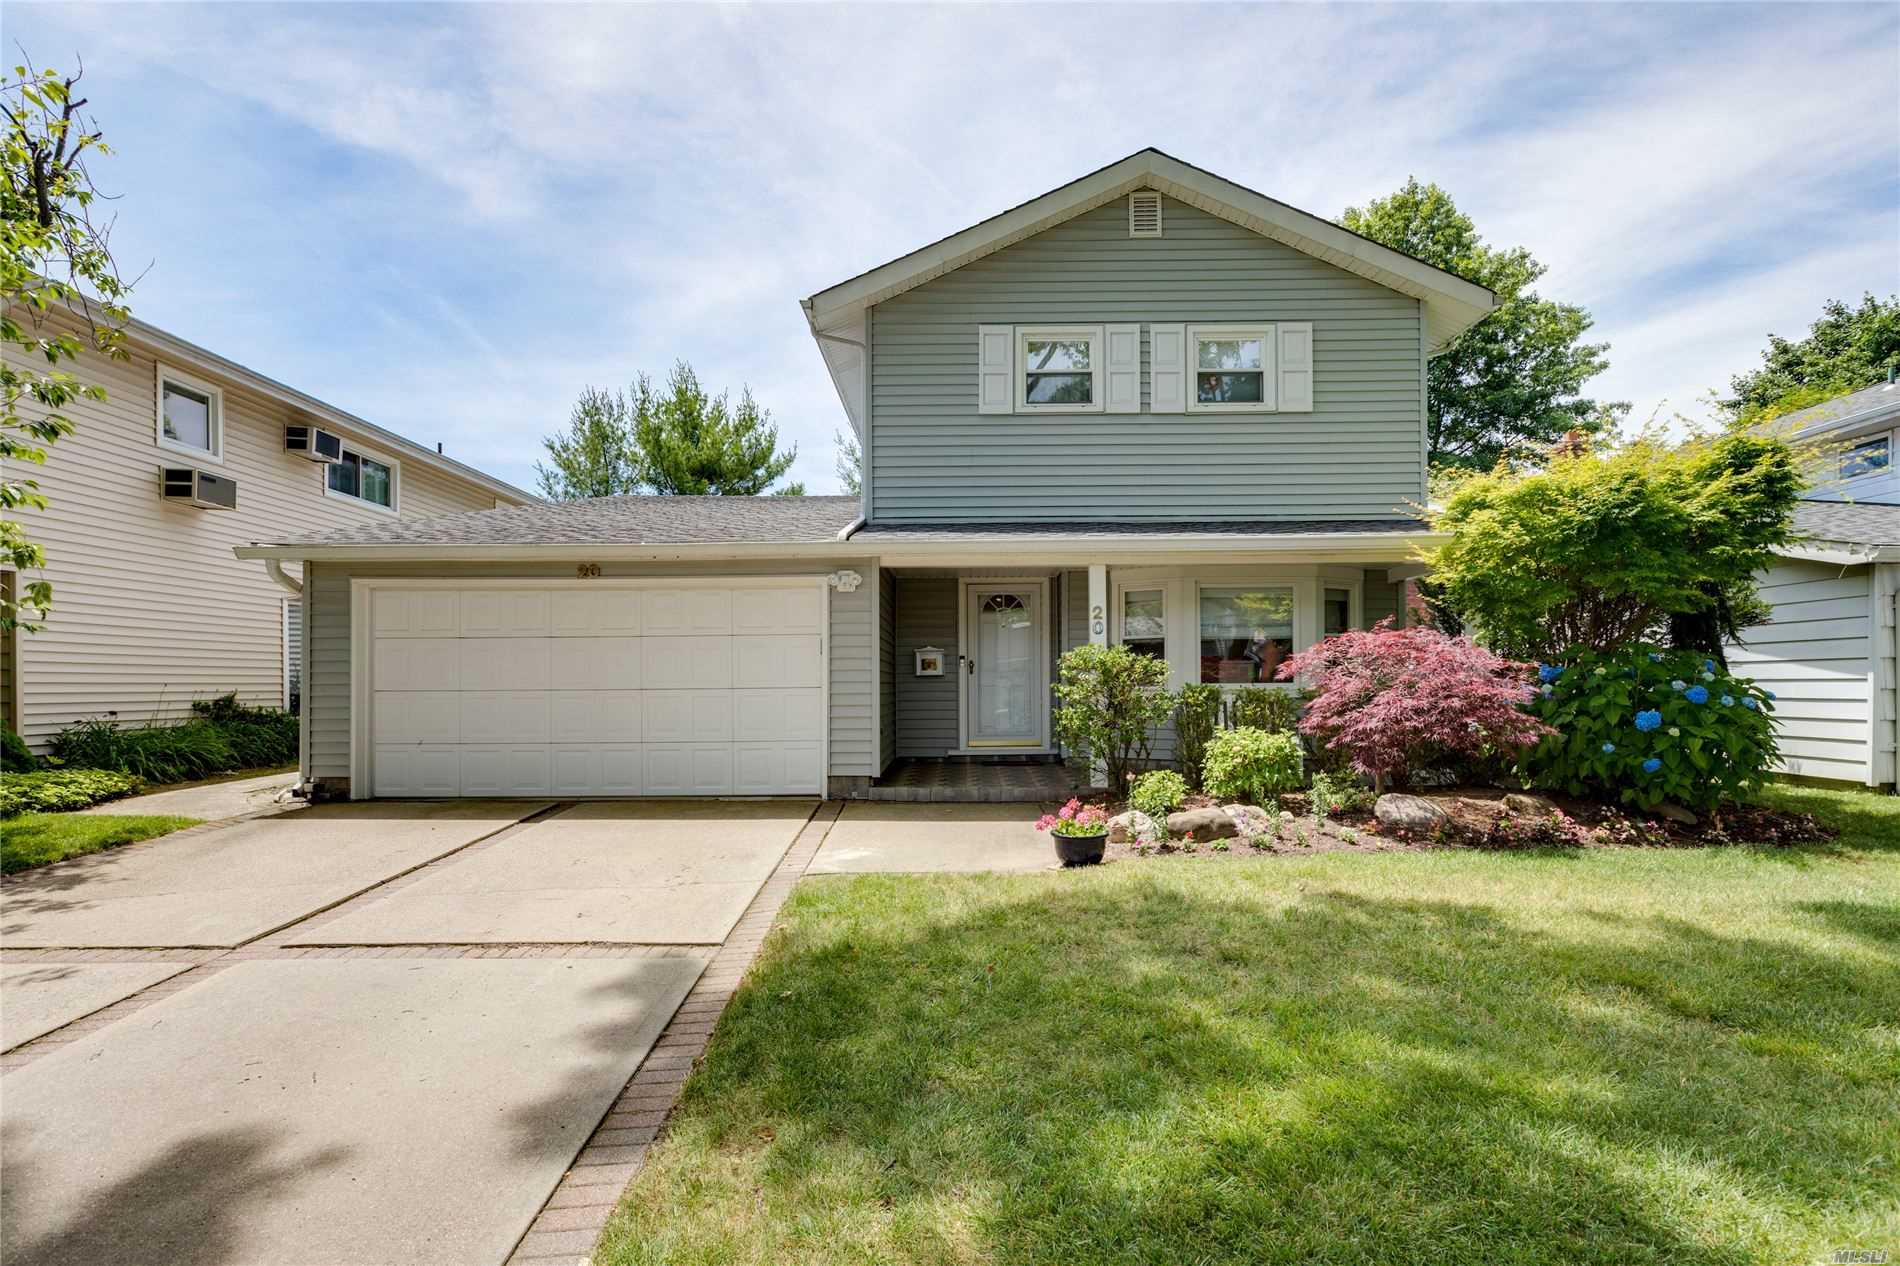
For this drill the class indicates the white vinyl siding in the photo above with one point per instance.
(150, 609)
(934, 456)
(1815, 654)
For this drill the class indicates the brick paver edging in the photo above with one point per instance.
(569, 1224)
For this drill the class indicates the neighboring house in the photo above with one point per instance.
(1828, 650)
(150, 610)
(1150, 407)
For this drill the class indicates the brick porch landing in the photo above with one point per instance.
(967, 779)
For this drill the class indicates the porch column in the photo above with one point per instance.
(1098, 604)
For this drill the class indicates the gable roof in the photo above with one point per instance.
(836, 315)
(1843, 413)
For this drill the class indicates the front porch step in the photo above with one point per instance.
(978, 779)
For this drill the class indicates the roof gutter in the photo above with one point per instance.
(1381, 546)
(1841, 553)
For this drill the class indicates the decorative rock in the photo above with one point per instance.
(1202, 824)
(1523, 802)
(1250, 821)
(1133, 826)
(1409, 813)
(1677, 814)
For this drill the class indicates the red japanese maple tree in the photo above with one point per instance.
(1400, 700)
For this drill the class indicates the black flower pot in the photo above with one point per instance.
(1080, 850)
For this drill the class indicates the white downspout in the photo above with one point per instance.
(275, 569)
(851, 527)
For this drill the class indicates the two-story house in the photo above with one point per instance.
(1149, 407)
(188, 456)
(1828, 650)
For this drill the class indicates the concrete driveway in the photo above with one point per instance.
(366, 1033)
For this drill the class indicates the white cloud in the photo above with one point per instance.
(517, 201)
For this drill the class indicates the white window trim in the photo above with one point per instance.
(1269, 365)
(166, 374)
(1120, 609)
(1847, 450)
(1098, 349)
(395, 480)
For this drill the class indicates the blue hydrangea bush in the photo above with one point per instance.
(1644, 725)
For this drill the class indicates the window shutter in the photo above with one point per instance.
(995, 369)
(1296, 366)
(1124, 368)
(1167, 368)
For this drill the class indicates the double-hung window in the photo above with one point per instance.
(1059, 369)
(1246, 631)
(362, 478)
(1233, 368)
(1869, 457)
(190, 416)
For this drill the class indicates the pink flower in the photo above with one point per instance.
(1046, 821)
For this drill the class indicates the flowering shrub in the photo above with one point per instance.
(1158, 793)
(1645, 725)
(1251, 765)
(1398, 700)
(1074, 818)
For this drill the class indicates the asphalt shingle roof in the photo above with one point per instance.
(1123, 530)
(1851, 523)
(1866, 400)
(647, 520)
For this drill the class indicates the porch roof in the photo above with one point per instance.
(1159, 533)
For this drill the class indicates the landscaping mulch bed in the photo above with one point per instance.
(1479, 818)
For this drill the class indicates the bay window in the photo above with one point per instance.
(1246, 631)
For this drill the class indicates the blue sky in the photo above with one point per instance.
(451, 218)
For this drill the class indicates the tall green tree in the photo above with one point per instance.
(54, 260)
(1846, 348)
(690, 443)
(1515, 380)
(849, 462)
(595, 457)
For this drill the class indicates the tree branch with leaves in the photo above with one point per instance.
(56, 260)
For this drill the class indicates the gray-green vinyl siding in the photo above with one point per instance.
(1383, 598)
(887, 668)
(1358, 454)
(852, 643)
(926, 706)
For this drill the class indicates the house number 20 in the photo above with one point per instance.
(587, 571)
(1097, 622)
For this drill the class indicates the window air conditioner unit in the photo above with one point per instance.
(197, 487)
(312, 444)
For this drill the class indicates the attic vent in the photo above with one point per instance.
(1144, 214)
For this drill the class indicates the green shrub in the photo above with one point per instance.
(223, 735)
(60, 790)
(1339, 792)
(1251, 765)
(1263, 708)
(1644, 725)
(1196, 717)
(1109, 702)
(1158, 793)
(15, 756)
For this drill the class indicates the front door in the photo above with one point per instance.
(1003, 668)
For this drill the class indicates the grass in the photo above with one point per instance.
(34, 839)
(1605, 1056)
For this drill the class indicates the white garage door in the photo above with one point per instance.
(603, 688)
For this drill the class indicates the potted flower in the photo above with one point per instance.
(1080, 832)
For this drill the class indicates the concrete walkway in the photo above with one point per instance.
(935, 839)
(210, 801)
(480, 1101)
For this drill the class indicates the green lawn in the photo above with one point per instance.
(1624, 1056)
(34, 839)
